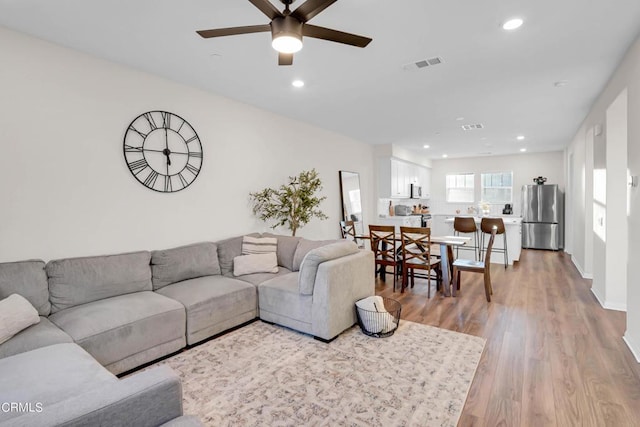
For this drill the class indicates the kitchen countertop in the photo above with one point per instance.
(508, 220)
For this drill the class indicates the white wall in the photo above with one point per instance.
(65, 187)
(627, 76)
(525, 167)
(616, 216)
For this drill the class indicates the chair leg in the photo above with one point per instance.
(487, 285)
(455, 277)
(506, 255)
(404, 278)
(412, 272)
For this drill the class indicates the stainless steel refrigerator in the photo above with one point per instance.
(542, 217)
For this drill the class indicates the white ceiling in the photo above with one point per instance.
(504, 80)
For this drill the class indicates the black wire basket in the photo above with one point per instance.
(380, 324)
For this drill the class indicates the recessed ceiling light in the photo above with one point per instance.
(444, 156)
(512, 24)
(520, 137)
(561, 83)
(297, 83)
(522, 150)
(425, 146)
(460, 119)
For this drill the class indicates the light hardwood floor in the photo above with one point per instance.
(553, 356)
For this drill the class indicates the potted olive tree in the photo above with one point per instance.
(293, 204)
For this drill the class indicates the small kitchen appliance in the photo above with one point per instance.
(416, 191)
(402, 210)
(508, 209)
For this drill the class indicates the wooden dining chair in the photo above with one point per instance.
(416, 255)
(467, 225)
(461, 265)
(348, 230)
(486, 225)
(384, 247)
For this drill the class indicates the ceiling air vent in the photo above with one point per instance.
(423, 63)
(473, 127)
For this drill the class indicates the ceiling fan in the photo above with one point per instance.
(287, 28)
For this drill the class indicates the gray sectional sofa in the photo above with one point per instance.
(106, 315)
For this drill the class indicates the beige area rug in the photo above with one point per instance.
(266, 375)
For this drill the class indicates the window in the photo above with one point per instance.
(497, 188)
(460, 188)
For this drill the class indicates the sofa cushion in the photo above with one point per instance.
(42, 334)
(286, 249)
(304, 246)
(75, 281)
(316, 257)
(115, 328)
(26, 278)
(259, 245)
(48, 375)
(16, 314)
(255, 263)
(280, 296)
(257, 278)
(211, 301)
(184, 262)
(228, 249)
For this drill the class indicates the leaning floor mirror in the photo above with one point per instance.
(351, 201)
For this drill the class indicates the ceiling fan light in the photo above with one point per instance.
(287, 43)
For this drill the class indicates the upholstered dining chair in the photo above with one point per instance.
(486, 225)
(467, 225)
(384, 246)
(416, 255)
(460, 265)
(348, 230)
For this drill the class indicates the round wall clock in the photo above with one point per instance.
(163, 151)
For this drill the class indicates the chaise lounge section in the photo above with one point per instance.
(123, 311)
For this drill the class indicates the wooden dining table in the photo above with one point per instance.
(446, 258)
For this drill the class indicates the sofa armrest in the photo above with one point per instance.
(339, 284)
(146, 399)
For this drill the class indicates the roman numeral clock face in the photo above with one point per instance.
(163, 151)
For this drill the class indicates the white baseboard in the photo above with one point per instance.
(615, 307)
(579, 268)
(607, 305)
(595, 294)
(635, 350)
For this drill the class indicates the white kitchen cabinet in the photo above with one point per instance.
(396, 176)
(424, 180)
(439, 227)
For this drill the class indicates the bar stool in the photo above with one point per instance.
(467, 225)
(486, 225)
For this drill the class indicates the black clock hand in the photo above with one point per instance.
(163, 151)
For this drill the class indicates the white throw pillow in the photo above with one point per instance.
(16, 314)
(256, 263)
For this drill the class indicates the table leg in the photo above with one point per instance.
(444, 264)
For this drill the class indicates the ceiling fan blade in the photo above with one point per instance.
(334, 35)
(220, 32)
(285, 59)
(267, 8)
(311, 8)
